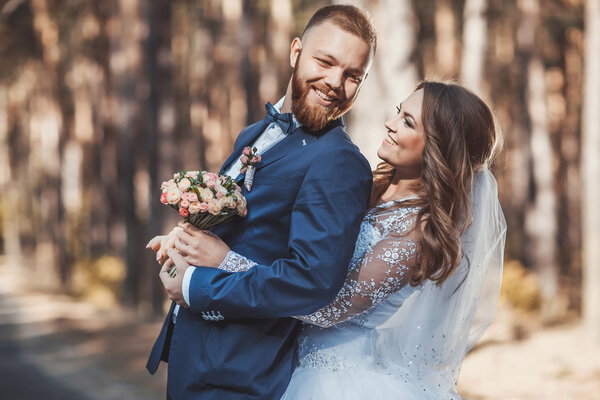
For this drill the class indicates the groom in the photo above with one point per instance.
(233, 338)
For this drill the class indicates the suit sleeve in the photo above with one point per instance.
(325, 221)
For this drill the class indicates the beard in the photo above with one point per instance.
(314, 117)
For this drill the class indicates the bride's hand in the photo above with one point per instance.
(162, 243)
(200, 248)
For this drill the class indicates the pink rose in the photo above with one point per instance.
(184, 204)
(241, 206)
(192, 197)
(247, 151)
(163, 198)
(173, 195)
(214, 207)
(203, 207)
(244, 159)
(166, 184)
(189, 196)
(210, 183)
(220, 191)
(255, 159)
(184, 212)
(194, 207)
(228, 202)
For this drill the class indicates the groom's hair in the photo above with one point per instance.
(350, 19)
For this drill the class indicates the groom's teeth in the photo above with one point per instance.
(323, 95)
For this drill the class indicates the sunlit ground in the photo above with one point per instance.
(558, 363)
(54, 347)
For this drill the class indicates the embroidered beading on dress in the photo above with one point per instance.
(383, 258)
(384, 255)
(235, 262)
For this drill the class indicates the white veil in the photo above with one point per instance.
(430, 334)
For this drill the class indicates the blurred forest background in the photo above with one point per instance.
(102, 100)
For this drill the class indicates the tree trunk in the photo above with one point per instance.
(126, 57)
(591, 171)
(541, 219)
(474, 45)
(160, 103)
(445, 39)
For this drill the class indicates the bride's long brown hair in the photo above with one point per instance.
(460, 138)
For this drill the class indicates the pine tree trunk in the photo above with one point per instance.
(541, 218)
(474, 45)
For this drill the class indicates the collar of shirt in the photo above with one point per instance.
(278, 106)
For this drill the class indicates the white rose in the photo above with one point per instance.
(173, 195)
(184, 184)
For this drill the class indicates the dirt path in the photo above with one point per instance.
(53, 347)
(558, 363)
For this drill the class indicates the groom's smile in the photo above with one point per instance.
(330, 65)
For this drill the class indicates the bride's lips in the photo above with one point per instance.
(390, 140)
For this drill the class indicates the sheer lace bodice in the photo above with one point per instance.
(383, 259)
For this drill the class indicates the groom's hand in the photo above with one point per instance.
(173, 285)
(200, 248)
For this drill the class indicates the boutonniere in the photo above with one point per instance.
(249, 159)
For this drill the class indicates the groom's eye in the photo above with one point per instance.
(323, 62)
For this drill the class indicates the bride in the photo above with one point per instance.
(424, 279)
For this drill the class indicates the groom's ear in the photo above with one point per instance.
(295, 48)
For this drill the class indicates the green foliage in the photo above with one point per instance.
(99, 280)
(520, 287)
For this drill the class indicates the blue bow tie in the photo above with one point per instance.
(285, 121)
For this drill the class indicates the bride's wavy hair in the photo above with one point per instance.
(460, 139)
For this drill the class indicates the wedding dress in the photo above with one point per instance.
(382, 338)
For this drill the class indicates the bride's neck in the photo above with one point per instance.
(399, 188)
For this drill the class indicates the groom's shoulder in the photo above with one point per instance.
(339, 137)
(336, 146)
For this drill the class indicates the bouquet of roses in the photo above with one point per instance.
(204, 199)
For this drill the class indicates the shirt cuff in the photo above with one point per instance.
(185, 285)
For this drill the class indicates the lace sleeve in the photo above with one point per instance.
(384, 270)
(235, 262)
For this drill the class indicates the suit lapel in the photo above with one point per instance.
(293, 142)
(245, 138)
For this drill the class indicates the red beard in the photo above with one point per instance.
(316, 117)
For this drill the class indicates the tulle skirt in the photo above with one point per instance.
(364, 384)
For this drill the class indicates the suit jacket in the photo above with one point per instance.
(237, 340)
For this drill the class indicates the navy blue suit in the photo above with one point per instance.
(237, 340)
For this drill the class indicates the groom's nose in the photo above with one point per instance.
(334, 79)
